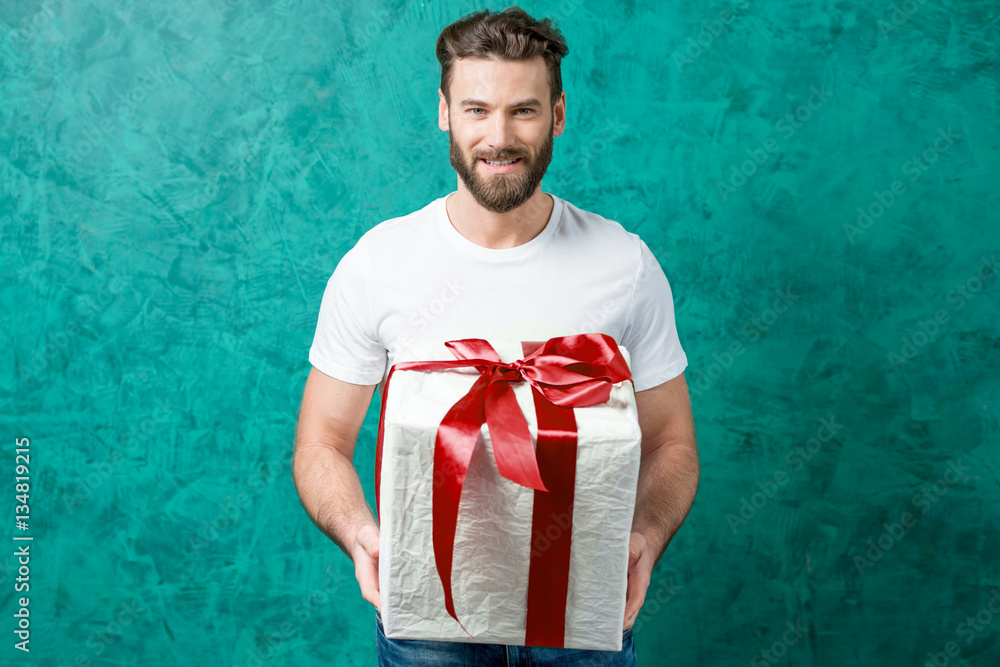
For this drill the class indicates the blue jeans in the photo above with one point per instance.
(418, 653)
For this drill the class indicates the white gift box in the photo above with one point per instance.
(493, 534)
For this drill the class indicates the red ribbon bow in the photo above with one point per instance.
(565, 372)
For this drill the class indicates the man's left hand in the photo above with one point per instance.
(640, 569)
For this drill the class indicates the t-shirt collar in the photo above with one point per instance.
(498, 254)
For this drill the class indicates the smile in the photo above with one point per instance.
(501, 167)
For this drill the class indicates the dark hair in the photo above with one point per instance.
(509, 35)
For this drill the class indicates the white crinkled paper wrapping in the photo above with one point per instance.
(493, 535)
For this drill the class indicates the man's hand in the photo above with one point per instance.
(364, 552)
(640, 570)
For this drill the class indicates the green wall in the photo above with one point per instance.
(179, 179)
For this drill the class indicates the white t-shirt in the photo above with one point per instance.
(416, 278)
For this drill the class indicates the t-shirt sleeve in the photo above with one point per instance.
(345, 345)
(650, 336)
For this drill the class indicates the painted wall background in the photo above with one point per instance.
(179, 179)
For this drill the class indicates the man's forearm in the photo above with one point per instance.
(331, 493)
(668, 481)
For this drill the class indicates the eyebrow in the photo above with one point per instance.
(530, 102)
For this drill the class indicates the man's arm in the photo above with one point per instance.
(668, 481)
(669, 469)
(328, 484)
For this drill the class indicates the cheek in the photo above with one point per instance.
(470, 147)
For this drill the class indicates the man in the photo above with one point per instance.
(497, 259)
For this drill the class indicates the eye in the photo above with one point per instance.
(529, 110)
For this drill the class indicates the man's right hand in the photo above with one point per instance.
(364, 552)
(328, 484)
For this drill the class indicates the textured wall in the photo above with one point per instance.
(179, 179)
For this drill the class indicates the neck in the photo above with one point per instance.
(498, 231)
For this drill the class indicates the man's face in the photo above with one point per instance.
(500, 112)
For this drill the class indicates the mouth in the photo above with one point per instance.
(501, 166)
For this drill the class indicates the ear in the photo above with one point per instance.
(559, 115)
(442, 111)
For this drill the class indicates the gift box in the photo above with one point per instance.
(490, 533)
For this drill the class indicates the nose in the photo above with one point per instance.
(501, 135)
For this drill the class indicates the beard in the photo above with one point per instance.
(501, 193)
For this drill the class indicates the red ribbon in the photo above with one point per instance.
(564, 373)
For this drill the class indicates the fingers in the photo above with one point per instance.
(635, 589)
(634, 597)
(366, 572)
(366, 564)
(630, 605)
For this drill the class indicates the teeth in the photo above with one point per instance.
(501, 164)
